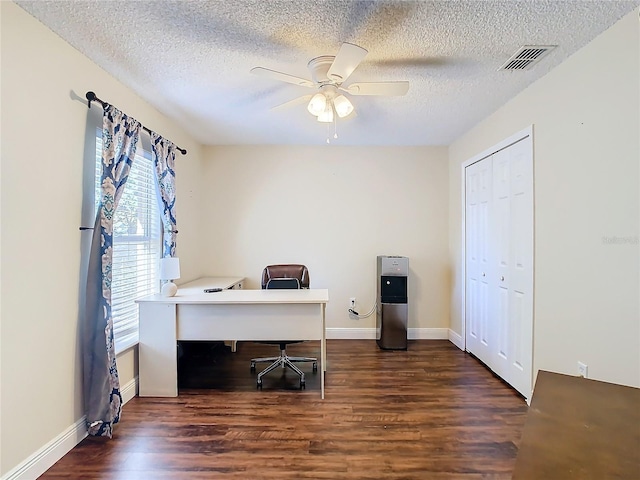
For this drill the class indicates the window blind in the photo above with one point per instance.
(136, 244)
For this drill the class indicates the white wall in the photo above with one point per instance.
(334, 209)
(43, 129)
(586, 154)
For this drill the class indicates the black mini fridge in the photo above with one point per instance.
(392, 302)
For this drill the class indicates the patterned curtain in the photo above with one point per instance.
(164, 157)
(102, 398)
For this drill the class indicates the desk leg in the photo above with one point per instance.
(158, 356)
(323, 349)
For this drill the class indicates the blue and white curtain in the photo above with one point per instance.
(164, 158)
(102, 398)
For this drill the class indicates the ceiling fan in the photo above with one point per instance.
(328, 75)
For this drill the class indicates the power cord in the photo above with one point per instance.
(368, 314)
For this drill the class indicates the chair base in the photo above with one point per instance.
(283, 361)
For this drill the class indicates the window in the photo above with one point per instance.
(137, 244)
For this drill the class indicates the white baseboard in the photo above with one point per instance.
(48, 455)
(370, 333)
(428, 334)
(351, 333)
(130, 390)
(456, 339)
(44, 458)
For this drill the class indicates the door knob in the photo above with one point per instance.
(502, 279)
(483, 274)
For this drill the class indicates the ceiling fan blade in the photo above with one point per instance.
(348, 58)
(283, 77)
(293, 103)
(391, 89)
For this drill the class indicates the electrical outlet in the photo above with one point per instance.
(352, 303)
(583, 370)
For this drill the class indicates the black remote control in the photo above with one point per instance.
(212, 290)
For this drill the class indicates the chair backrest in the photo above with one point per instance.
(299, 272)
(283, 283)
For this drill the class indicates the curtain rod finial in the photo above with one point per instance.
(91, 96)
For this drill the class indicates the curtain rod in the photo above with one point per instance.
(91, 97)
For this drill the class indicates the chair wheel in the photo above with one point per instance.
(302, 385)
(259, 384)
(315, 366)
(253, 366)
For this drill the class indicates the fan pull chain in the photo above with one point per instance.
(335, 126)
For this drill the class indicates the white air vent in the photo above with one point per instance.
(526, 56)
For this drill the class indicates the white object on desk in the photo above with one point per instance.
(238, 314)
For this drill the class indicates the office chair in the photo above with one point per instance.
(290, 276)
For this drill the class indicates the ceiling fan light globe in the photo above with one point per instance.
(342, 105)
(317, 104)
(327, 115)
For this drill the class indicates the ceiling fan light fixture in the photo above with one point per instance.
(342, 105)
(327, 115)
(317, 104)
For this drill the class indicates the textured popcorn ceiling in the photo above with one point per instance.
(191, 59)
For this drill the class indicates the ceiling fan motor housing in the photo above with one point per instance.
(329, 90)
(319, 68)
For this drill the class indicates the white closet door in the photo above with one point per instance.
(519, 278)
(501, 243)
(478, 306)
(499, 263)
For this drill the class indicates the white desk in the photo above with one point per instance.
(225, 283)
(238, 314)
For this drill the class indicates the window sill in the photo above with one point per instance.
(126, 343)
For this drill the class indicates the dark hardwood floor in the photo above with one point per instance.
(431, 412)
